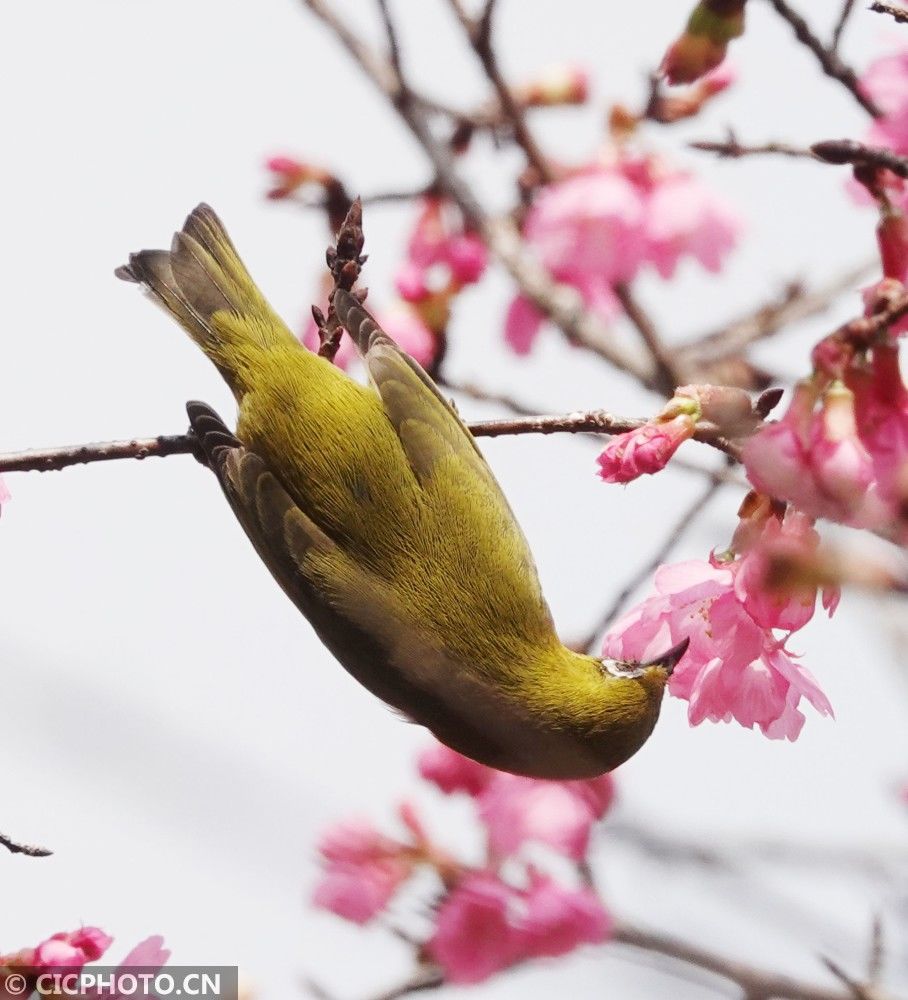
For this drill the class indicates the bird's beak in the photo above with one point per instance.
(668, 661)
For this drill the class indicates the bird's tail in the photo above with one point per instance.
(204, 285)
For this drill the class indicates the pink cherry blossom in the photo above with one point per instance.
(735, 667)
(5, 495)
(816, 460)
(558, 920)
(645, 450)
(439, 256)
(474, 937)
(485, 925)
(684, 218)
(587, 230)
(516, 810)
(790, 610)
(363, 870)
(71, 949)
(149, 953)
(522, 324)
(881, 408)
(596, 228)
(452, 772)
(886, 81)
(892, 236)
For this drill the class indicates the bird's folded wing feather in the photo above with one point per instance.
(442, 452)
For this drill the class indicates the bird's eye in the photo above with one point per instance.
(622, 668)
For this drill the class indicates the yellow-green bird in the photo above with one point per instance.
(377, 514)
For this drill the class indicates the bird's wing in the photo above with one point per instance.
(353, 612)
(451, 469)
(426, 423)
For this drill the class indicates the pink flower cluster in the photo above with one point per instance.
(71, 950)
(600, 226)
(484, 921)
(486, 925)
(441, 256)
(840, 452)
(737, 666)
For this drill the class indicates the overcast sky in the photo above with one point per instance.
(171, 727)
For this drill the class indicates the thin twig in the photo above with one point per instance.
(792, 306)
(672, 538)
(29, 850)
(892, 9)
(732, 149)
(393, 40)
(481, 394)
(856, 990)
(841, 24)
(479, 31)
(669, 373)
(829, 60)
(755, 982)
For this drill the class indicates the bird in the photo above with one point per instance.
(376, 512)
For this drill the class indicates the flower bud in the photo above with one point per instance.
(711, 26)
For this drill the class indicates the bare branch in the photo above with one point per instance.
(829, 60)
(732, 149)
(841, 24)
(393, 41)
(54, 459)
(793, 305)
(892, 9)
(669, 374)
(581, 422)
(29, 850)
(756, 983)
(480, 35)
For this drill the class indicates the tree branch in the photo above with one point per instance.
(832, 65)
(54, 459)
(581, 422)
(841, 24)
(29, 850)
(794, 305)
(758, 984)
(732, 149)
(479, 32)
(892, 9)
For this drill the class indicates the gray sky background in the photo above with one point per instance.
(171, 728)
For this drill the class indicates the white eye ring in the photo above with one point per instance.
(622, 668)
